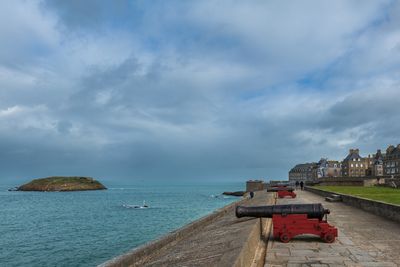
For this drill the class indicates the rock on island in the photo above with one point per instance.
(61, 183)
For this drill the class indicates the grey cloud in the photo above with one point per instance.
(81, 15)
(206, 94)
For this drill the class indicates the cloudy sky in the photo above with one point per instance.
(222, 90)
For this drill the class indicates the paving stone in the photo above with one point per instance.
(364, 239)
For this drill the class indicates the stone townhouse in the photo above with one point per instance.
(303, 172)
(376, 164)
(354, 165)
(391, 162)
(322, 168)
(334, 168)
(328, 168)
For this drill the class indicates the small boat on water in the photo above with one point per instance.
(144, 206)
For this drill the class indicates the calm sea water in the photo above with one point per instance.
(89, 227)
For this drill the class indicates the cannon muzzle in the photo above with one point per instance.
(313, 211)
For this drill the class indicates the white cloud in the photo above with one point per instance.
(232, 84)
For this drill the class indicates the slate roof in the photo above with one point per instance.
(302, 166)
(378, 157)
(351, 156)
(395, 151)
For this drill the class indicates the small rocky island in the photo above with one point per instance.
(61, 183)
(236, 193)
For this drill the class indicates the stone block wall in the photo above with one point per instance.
(254, 185)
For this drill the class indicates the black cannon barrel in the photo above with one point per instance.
(312, 210)
(276, 189)
(280, 185)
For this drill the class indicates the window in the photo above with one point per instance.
(351, 165)
(357, 165)
(361, 165)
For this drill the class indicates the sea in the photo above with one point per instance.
(87, 228)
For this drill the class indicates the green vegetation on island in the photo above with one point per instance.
(384, 194)
(61, 183)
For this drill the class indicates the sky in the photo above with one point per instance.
(194, 90)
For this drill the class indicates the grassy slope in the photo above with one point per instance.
(384, 194)
(60, 183)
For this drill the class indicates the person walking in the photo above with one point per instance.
(297, 184)
(302, 185)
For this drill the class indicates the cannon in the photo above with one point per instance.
(283, 191)
(293, 220)
(280, 185)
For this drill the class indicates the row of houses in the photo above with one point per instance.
(353, 165)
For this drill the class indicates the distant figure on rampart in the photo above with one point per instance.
(302, 185)
(251, 194)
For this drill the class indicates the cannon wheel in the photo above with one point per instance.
(329, 238)
(284, 237)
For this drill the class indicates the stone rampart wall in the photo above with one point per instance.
(351, 181)
(389, 211)
(140, 254)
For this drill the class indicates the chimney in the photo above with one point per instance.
(351, 151)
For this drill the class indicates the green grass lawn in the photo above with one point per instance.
(384, 194)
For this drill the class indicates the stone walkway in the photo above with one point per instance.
(364, 240)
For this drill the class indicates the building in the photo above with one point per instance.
(334, 169)
(328, 168)
(391, 163)
(254, 185)
(354, 165)
(304, 172)
(376, 164)
(322, 168)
